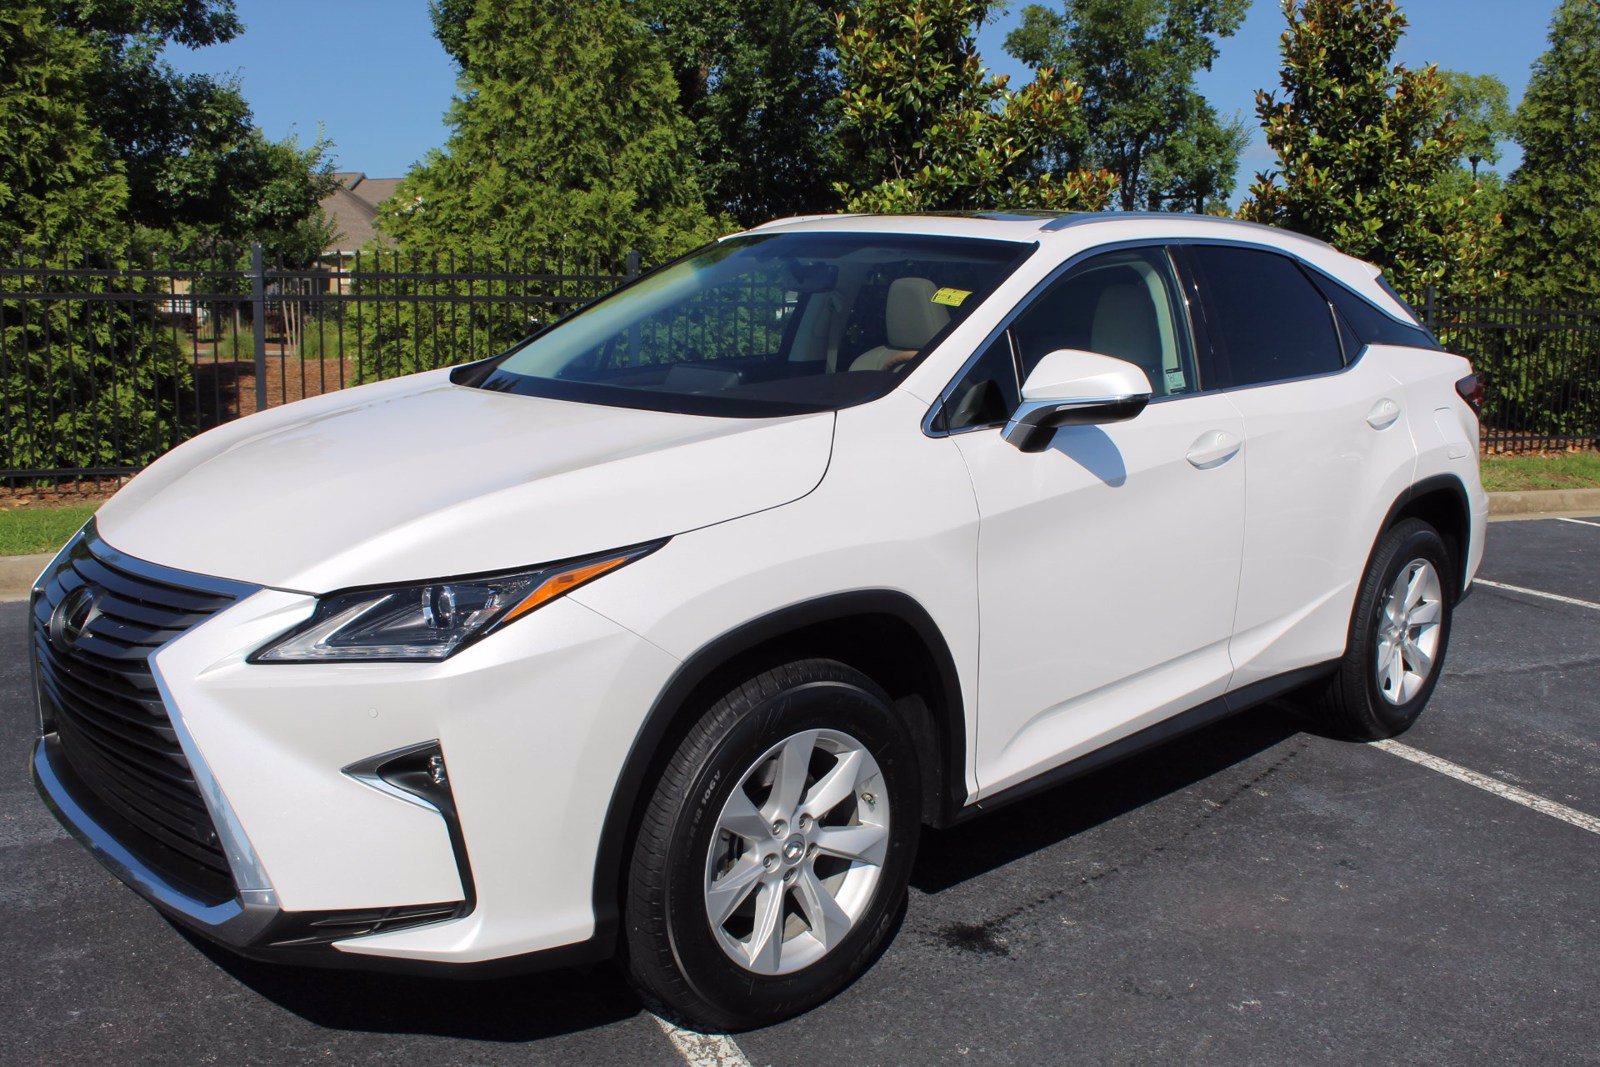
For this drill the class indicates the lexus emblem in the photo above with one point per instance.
(74, 614)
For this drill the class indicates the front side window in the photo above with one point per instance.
(1125, 304)
(1266, 320)
(763, 325)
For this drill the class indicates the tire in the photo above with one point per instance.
(1377, 690)
(686, 861)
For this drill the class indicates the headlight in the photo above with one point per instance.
(432, 620)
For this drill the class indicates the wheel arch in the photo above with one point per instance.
(907, 655)
(1441, 501)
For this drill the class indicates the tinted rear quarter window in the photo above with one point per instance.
(1267, 320)
(1372, 326)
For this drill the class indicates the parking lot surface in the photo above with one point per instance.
(1252, 893)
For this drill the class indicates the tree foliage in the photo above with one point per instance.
(123, 142)
(1552, 211)
(1483, 118)
(565, 138)
(758, 80)
(1361, 146)
(924, 127)
(1143, 119)
(59, 180)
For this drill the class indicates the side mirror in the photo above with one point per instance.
(1070, 387)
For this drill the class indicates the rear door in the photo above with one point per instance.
(1325, 437)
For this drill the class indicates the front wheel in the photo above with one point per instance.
(1399, 632)
(773, 857)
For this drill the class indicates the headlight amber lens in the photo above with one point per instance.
(432, 620)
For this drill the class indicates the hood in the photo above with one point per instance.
(419, 478)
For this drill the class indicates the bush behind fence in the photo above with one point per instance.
(106, 363)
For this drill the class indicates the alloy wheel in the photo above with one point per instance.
(798, 852)
(1409, 620)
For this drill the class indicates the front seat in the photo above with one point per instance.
(1125, 327)
(910, 320)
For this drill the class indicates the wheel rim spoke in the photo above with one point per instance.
(766, 940)
(740, 817)
(860, 844)
(731, 889)
(828, 921)
(789, 776)
(1425, 613)
(834, 786)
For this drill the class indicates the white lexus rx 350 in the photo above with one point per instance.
(663, 634)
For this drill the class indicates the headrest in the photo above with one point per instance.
(1125, 326)
(910, 317)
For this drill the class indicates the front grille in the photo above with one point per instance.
(98, 695)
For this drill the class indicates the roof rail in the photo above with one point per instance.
(1082, 218)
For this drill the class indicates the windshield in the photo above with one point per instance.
(762, 325)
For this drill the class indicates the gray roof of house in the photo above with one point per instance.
(353, 209)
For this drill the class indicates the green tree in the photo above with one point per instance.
(758, 80)
(1483, 118)
(565, 138)
(924, 127)
(1361, 146)
(60, 181)
(196, 166)
(1552, 210)
(1143, 119)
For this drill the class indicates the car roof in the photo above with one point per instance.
(1068, 232)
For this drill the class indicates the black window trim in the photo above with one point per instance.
(933, 423)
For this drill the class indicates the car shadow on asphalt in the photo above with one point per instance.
(517, 1009)
(950, 857)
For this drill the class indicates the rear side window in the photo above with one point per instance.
(1370, 325)
(1267, 320)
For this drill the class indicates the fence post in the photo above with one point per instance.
(633, 263)
(1430, 309)
(258, 324)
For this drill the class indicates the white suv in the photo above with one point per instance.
(664, 633)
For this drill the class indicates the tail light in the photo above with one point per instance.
(1470, 389)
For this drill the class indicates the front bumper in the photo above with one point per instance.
(333, 869)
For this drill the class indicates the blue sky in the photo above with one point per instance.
(370, 74)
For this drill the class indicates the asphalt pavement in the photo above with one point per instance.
(1252, 893)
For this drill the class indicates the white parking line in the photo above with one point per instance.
(703, 1050)
(1537, 592)
(1500, 789)
(1580, 522)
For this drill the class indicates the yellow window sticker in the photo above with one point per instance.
(952, 297)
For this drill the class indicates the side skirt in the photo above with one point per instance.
(1167, 730)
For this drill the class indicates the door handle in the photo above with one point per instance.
(1383, 414)
(1214, 448)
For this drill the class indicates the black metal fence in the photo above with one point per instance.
(105, 364)
(1540, 367)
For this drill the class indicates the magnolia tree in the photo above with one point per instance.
(923, 127)
(1362, 144)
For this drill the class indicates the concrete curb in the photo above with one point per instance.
(18, 572)
(1532, 502)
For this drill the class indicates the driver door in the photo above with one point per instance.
(1108, 563)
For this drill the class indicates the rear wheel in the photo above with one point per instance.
(773, 857)
(1399, 632)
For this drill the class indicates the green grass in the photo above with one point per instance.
(24, 531)
(1573, 470)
